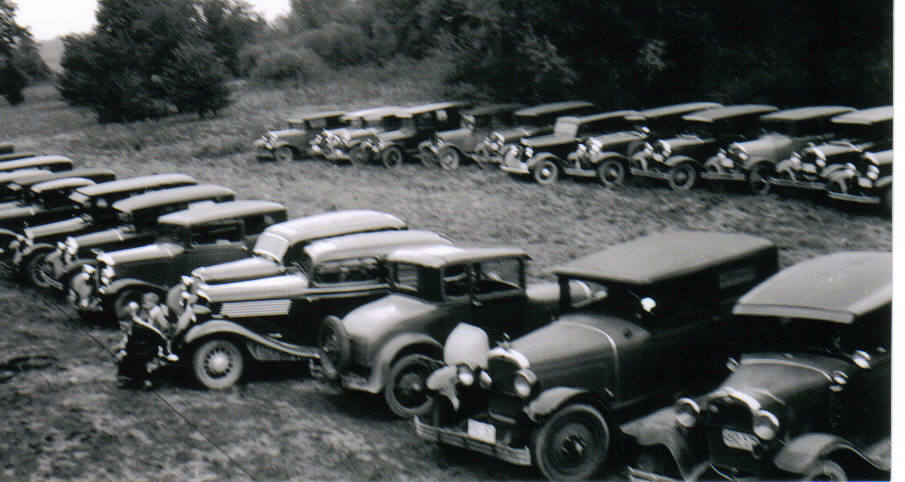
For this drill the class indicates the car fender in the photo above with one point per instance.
(660, 429)
(443, 383)
(831, 169)
(676, 160)
(543, 156)
(121, 284)
(605, 156)
(390, 351)
(223, 327)
(753, 161)
(842, 175)
(800, 453)
(37, 248)
(282, 143)
(551, 399)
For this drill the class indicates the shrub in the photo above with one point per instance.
(339, 44)
(288, 63)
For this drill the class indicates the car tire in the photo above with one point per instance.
(426, 156)
(406, 391)
(120, 307)
(37, 271)
(683, 176)
(392, 157)
(759, 178)
(217, 364)
(572, 444)
(450, 158)
(546, 172)
(333, 342)
(611, 173)
(825, 469)
(283, 154)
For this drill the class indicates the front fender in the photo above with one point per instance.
(119, 285)
(785, 165)
(550, 400)
(537, 159)
(389, 351)
(37, 248)
(227, 328)
(75, 267)
(799, 454)
(443, 383)
(831, 169)
(596, 159)
(676, 160)
(660, 429)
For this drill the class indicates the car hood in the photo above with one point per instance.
(143, 253)
(263, 289)
(548, 140)
(284, 133)
(516, 133)
(371, 321)
(686, 141)
(617, 138)
(397, 135)
(576, 336)
(70, 225)
(357, 133)
(454, 135)
(239, 270)
(765, 146)
(102, 237)
(833, 149)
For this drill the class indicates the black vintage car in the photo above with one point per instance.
(450, 148)
(94, 211)
(279, 318)
(866, 181)
(680, 160)
(809, 401)
(15, 186)
(343, 143)
(419, 123)
(544, 157)
(787, 131)
(187, 239)
(867, 130)
(531, 121)
(294, 142)
(48, 163)
(656, 324)
(136, 226)
(606, 157)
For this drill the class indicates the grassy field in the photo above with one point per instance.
(64, 417)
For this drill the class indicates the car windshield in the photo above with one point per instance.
(412, 279)
(860, 132)
(271, 246)
(359, 123)
(172, 233)
(821, 337)
(300, 125)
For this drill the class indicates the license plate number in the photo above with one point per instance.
(739, 440)
(481, 431)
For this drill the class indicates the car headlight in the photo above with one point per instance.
(485, 380)
(726, 161)
(766, 425)
(108, 272)
(664, 148)
(14, 244)
(72, 246)
(873, 172)
(687, 412)
(648, 148)
(465, 374)
(795, 159)
(820, 162)
(529, 152)
(595, 145)
(524, 383)
(88, 269)
(187, 281)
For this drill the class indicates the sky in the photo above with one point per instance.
(52, 18)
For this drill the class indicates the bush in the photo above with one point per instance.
(288, 63)
(340, 44)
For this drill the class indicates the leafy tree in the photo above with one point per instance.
(18, 57)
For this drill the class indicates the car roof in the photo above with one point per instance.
(806, 113)
(218, 211)
(674, 109)
(728, 112)
(64, 183)
(44, 176)
(599, 117)
(35, 161)
(335, 223)
(11, 156)
(171, 196)
(542, 109)
(134, 183)
(12, 176)
(378, 243)
(374, 113)
(420, 109)
(662, 256)
(882, 157)
(318, 115)
(837, 287)
(869, 116)
(440, 256)
(488, 109)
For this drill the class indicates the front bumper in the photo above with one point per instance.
(458, 438)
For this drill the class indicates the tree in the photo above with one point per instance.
(13, 39)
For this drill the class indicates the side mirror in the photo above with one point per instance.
(467, 344)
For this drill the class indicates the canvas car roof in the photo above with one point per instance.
(674, 109)
(378, 243)
(218, 211)
(440, 256)
(64, 183)
(12, 176)
(882, 157)
(602, 116)
(134, 183)
(806, 113)
(837, 287)
(420, 109)
(336, 223)
(373, 113)
(662, 256)
(35, 161)
(728, 112)
(552, 108)
(869, 116)
(174, 195)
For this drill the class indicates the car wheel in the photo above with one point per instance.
(426, 156)
(39, 272)
(545, 172)
(217, 364)
(824, 469)
(406, 391)
(573, 444)
(450, 158)
(683, 176)
(611, 173)
(284, 154)
(759, 178)
(334, 343)
(120, 308)
(392, 157)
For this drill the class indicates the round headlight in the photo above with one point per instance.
(820, 162)
(485, 380)
(687, 412)
(108, 272)
(524, 382)
(648, 148)
(766, 425)
(465, 375)
(529, 152)
(840, 377)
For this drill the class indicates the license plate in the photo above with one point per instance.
(739, 440)
(810, 168)
(481, 431)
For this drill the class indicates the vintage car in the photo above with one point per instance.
(187, 239)
(544, 157)
(787, 131)
(136, 226)
(48, 163)
(15, 186)
(656, 323)
(867, 130)
(680, 160)
(391, 345)
(48, 201)
(418, 124)
(810, 400)
(336, 144)
(279, 318)
(94, 210)
(531, 121)
(451, 148)
(866, 181)
(606, 157)
(294, 142)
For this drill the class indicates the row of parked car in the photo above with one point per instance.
(582, 368)
(843, 152)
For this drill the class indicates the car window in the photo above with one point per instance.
(405, 277)
(317, 123)
(258, 223)
(228, 231)
(498, 276)
(356, 270)
(455, 281)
